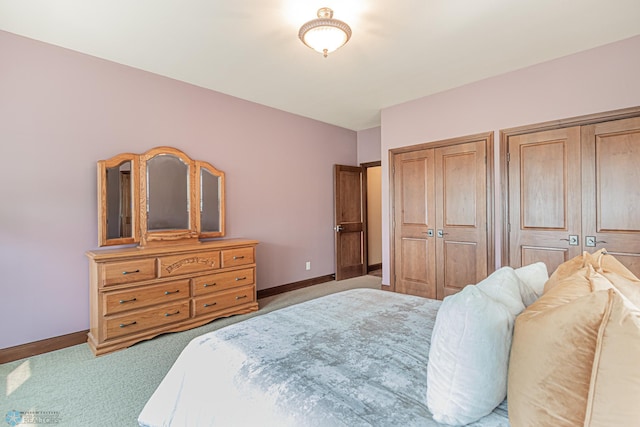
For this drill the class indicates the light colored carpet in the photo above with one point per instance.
(77, 389)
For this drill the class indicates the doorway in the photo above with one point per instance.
(373, 179)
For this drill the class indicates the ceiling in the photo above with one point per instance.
(400, 50)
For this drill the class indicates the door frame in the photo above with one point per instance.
(503, 143)
(488, 137)
(365, 180)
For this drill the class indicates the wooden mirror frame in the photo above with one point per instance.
(140, 233)
(200, 165)
(103, 166)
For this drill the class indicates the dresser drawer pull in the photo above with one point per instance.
(123, 301)
(240, 297)
(124, 325)
(241, 278)
(131, 272)
(171, 314)
(206, 285)
(210, 305)
(169, 293)
(238, 257)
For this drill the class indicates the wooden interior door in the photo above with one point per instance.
(611, 189)
(414, 222)
(350, 228)
(461, 216)
(544, 197)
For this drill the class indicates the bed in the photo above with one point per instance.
(355, 358)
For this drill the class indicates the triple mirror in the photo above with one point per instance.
(158, 197)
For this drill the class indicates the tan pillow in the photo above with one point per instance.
(620, 277)
(615, 382)
(575, 353)
(582, 281)
(616, 375)
(603, 261)
(628, 287)
(567, 269)
(552, 355)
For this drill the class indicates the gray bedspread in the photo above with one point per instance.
(355, 358)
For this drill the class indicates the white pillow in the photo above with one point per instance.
(504, 286)
(534, 276)
(468, 358)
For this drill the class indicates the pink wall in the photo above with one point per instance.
(369, 143)
(597, 80)
(61, 111)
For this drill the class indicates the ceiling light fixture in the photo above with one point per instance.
(325, 34)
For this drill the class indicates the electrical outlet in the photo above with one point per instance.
(308, 265)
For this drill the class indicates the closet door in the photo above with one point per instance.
(440, 216)
(414, 223)
(544, 222)
(461, 216)
(611, 189)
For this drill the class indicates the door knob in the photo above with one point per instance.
(592, 242)
(441, 233)
(573, 240)
(339, 228)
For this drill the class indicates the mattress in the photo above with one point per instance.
(354, 358)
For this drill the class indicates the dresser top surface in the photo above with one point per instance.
(135, 252)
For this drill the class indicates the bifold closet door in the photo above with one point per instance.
(414, 223)
(544, 222)
(461, 216)
(611, 189)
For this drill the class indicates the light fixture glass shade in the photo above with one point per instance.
(325, 34)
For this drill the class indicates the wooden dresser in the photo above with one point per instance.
(139, 293)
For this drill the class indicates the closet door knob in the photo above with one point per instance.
(574, 240)
(592, 242)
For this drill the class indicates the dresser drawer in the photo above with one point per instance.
(117, 273)
(239, 256)
(176, 265)
(221, 281)
(222, 300)
(143, 296)
(140, 320)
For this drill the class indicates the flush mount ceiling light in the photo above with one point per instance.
(325, 34)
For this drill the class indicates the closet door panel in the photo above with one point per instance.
(542, 186)
(611, 189)
(414, 216)
(462, 216)
(552, 257)
(544, 197)
(459, 182)
(460, 261)
(416, 274)
(617, 178)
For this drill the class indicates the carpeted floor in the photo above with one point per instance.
(71, 387)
